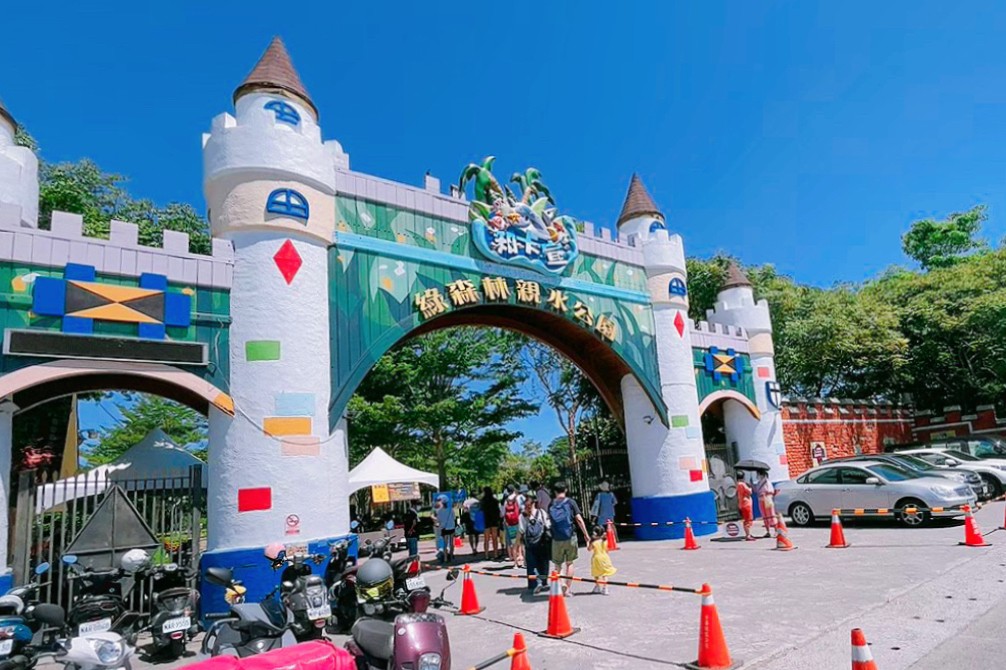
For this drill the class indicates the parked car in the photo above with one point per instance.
(979, 446)
(992, 470)
(870, 485)
(978, 485)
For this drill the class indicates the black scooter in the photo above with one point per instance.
(248, 628)
(18, 624)
(174, 621)
(304, 594)
(98, 604)
(340, 578)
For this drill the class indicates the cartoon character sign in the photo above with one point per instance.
(522, 230)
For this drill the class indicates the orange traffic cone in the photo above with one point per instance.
(519, 659)
(972, 533)
(1003, 527)
(558, 619)
(862, 657)
(837, 534)
(690, 542)
(713, 652)
(469, 601)
(612, 542)
(782, 542)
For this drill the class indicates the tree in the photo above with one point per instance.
(443, 400)
(142, 414)
(940, 244)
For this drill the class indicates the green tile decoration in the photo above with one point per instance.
(679, 421)
(262, 350)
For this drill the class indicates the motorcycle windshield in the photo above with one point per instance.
(275, 611)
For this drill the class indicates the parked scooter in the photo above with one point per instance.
(98, 604)
(302, 592)
(174, 621)
(104, 650)
(18, 624)
(340, 578)
(398, 633)
(248, 628)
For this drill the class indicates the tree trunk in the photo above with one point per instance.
(438, 447)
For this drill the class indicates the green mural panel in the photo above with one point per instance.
(707, 384)
(373, 306)
(210, 318)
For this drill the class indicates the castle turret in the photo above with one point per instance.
(270, 189)
(18, 173)
(757, 438)
(669, 480)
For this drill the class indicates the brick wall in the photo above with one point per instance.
(840, 428)
(954, 422)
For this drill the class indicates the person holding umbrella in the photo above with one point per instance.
(766, 495)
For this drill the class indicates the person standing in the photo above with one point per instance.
(511, 522)
(468, 523)
(766, 501)
(603, 508)
(447, 523)
(563, 513)
(544, 499)
(411, 523)
(745, 505)
(600, 561)
(492, 518)
(534, 526)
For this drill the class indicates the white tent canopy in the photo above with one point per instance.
(380, 468)
(155, 457)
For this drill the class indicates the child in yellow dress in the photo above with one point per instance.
(600, 562)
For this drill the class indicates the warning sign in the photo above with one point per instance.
(732, 529)
(292, 524)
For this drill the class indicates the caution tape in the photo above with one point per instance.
(654, 524)
(587, 580)
(509, 653)
(881, 511)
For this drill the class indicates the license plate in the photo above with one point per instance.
(176, 624)
(6, 647)
(415, 583)
(99, 626)
(322, 612)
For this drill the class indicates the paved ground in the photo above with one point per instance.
(923, 601)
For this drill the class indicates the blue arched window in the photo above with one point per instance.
(287, 202)
(284, 112)
(656, 225)
(677, 287)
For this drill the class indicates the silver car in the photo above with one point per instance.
(870, 485)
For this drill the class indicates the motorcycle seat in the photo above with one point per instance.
(375, 637)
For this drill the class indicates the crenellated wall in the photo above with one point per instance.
(955, 423)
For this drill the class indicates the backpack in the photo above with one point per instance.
(535, 529)
(562, 519)
(511, 512)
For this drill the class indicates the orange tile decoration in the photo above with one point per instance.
(279, 426)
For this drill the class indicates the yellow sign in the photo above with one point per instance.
(462, 292)
(389, 493)
(379, 493)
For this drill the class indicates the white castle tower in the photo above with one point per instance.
(18, 174)
(759, 439)
(669, 481)
(278, 468)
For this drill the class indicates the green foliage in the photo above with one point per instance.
(142, 414)
(940, 244)
(443, 401)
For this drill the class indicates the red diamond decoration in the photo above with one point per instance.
(288, 261)
(679, 323)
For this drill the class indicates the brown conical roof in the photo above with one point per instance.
(7, 115)
(637, 202)
(735, 277)
(274, 70)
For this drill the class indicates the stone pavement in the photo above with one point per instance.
(913, 591)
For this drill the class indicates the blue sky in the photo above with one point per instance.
(808, 135)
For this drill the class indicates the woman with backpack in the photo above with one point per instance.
(534, 534)
(512, 506)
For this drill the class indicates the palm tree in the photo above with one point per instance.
(485, 183)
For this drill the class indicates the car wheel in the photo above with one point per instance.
(917, 520)
(995, 487)
(800, 514)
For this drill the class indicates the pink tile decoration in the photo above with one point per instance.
(764, 373)
(783, 460)
(301, 446)
(695, 475)
(687, 463)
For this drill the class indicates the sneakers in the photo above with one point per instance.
(538, 590)
(597, 589)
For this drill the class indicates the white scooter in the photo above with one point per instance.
(106, 650)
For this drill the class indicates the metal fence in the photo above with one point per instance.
(97, 516)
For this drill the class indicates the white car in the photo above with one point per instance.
(992, 470)
(871, 486)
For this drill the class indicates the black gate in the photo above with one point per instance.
(162, 514)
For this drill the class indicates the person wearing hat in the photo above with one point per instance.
(443, 514)
(603, 509)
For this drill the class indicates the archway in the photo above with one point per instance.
(721, 445)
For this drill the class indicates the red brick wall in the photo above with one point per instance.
(840, 427)
(954, 423)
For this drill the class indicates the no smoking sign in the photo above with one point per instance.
(292, 524)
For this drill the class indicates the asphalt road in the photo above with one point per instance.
(980, 646)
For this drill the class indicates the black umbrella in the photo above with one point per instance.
(751, 464)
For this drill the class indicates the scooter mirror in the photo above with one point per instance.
(69, 559)
(452, 574)
(219, 576)
(41, 569)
